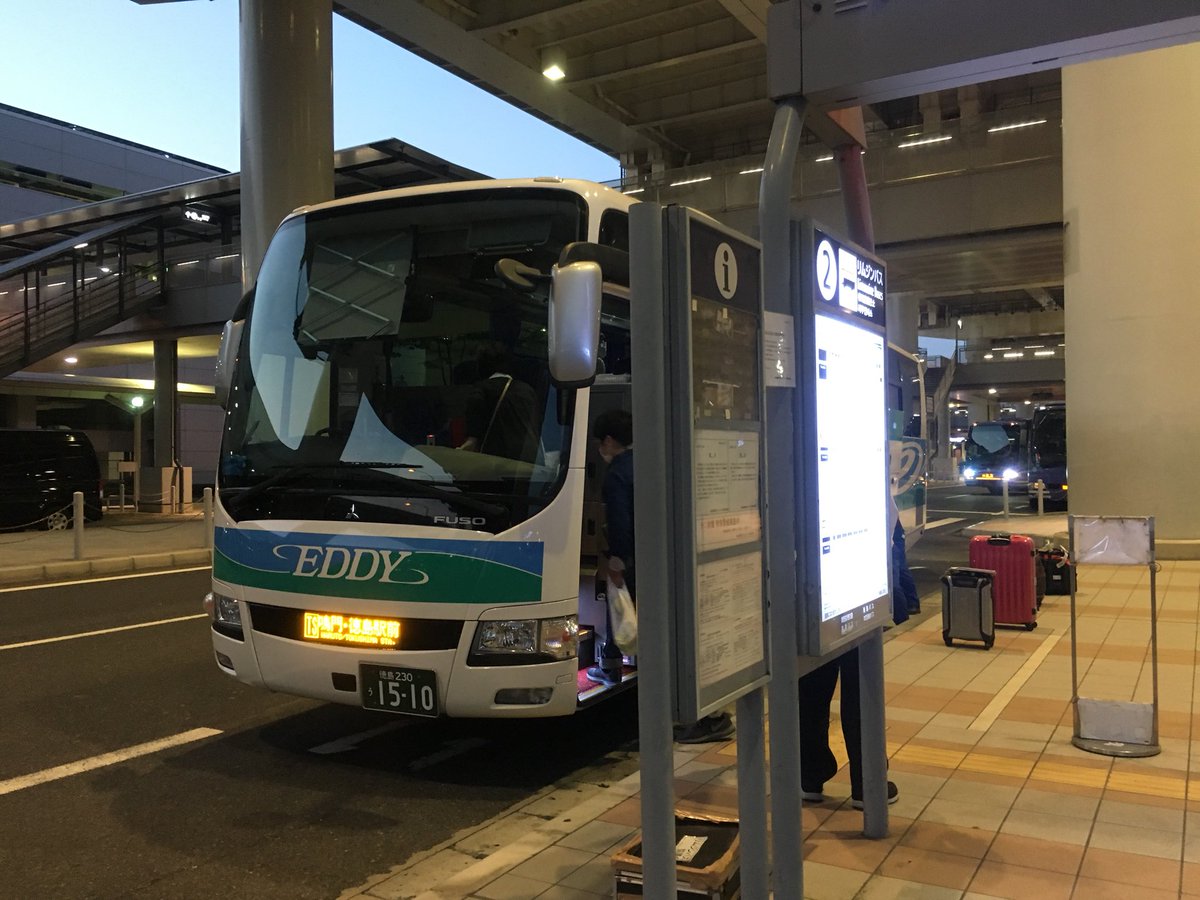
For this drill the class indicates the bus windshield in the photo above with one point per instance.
(992, 444)
(388, 375)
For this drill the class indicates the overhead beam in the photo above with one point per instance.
(852, 53)
(541, 17)
(751, 14)
(665, 63)
(411, 25)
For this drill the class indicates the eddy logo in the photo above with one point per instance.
(360, 564)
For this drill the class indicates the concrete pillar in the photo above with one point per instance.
(1131, 191)
(166, 395)
(18, 411)
(287, 116)
(931, 113)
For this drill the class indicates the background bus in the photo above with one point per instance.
(1048, 452)
(997, 452)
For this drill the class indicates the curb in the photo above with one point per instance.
(76, 569)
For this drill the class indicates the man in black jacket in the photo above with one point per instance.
(613, 431)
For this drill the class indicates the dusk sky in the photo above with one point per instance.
(166, 75)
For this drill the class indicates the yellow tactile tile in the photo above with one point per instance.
(996, 765)
(1154, 784)
(1069, 774)
(938, 757)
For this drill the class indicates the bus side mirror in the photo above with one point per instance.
(231, 339)
(574, 323)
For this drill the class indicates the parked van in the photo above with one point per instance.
(40, 471)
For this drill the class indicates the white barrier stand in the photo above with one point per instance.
(1041, 495)
(1115, 727)
(77, 522)
(1004, 491)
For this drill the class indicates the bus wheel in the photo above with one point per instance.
(57, 521)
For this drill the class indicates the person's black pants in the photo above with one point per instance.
(817, 762)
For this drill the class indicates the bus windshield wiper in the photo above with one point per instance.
(293, 473)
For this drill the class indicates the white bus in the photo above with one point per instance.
(408, 513)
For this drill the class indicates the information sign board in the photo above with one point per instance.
(714, 324)
(841, 455)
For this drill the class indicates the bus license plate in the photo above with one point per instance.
(398, 690)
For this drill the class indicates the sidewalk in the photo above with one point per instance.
(121, 542)
(995, 801)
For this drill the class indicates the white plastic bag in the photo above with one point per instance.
(624, 620)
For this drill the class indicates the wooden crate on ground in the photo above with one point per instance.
(712, 873)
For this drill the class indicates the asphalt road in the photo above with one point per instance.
(248, 810)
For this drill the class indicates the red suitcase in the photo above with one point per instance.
(1014, 588)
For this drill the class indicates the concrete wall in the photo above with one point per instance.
(1131, 198)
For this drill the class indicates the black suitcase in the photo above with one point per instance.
(1056, 568)
(967, 612)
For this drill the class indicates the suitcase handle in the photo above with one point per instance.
(1000, 539)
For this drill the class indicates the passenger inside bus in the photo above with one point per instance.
(501, 409)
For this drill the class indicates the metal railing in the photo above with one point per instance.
(58, 319)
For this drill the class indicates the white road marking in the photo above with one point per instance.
(55, 584)
(938, 523)
(992, 711)
(84, 634)
(105, 759)
(452, 749)
(351, 741)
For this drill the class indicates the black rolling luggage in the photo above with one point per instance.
(967, 613)
(1057, 568)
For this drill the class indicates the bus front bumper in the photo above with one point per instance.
(332, 674)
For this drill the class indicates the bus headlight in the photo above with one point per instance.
(1010, 474)
(969, 473)
(226, 616)
(557, 638)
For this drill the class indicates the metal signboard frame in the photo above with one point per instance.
(840, 310)
(714, 323)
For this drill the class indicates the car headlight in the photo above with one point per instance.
(556, 637)
(968, 472)
(1010, 474)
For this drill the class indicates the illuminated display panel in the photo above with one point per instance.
(841, 451)
(851, 455)
(358, 630)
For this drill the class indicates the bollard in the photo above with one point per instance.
(1004, 491)
(122, 496)
(1041, 489)
(208, 518)
(77, 522)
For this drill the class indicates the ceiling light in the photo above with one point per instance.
(105, 269)
(691, 181)
(137, 401)
(1043, 353)
(991, 390)
(71, 360)
(81, 246)
(633, 191)
(1015, 354)
(826, 158)
(988, 355)
(554, 63)
(750, 171)
(923, 141)
(1017, 125)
